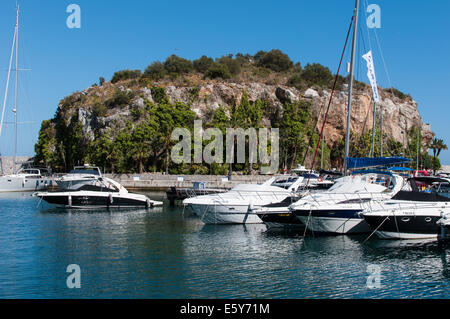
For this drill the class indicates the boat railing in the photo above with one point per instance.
(392, 207)
(352, 198)
(260, 194)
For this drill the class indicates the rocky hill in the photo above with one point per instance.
(104, 111)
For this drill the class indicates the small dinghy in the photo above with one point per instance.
(107, 193)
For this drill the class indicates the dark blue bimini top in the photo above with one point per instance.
(353, 162)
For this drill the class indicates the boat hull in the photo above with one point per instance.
(345, 221)
(91, 201)
(20, 184)
(280, 220)
(219, 214)
(404, 227)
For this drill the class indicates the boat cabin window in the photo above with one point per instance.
(32, 171)
(97, 188)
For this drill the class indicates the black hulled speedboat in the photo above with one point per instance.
(277, 215)
(410, 214)
(107, 193)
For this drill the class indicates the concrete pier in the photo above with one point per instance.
(162, 182)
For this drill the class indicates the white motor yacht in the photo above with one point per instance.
(237, 205)
(107, 193)
(410, 214)
(337, 209)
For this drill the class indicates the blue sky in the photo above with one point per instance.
(117, 35)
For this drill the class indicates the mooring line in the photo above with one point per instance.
(387, 217)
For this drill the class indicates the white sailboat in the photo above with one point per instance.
(29, 179)
(337, 210)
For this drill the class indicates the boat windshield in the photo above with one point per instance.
(313, 176)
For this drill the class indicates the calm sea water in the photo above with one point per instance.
(166, 253)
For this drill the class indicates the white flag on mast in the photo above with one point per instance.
(371, 75)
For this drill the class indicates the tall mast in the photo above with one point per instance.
(350, 86)
(7, 78)
(16, 90)
(381, 131)
(418, 149)
(372, 149)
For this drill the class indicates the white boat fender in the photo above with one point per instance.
(69, 201)
(148, 203)
(111, 199)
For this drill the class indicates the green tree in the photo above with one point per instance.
(293, 131)
(125, 75)
(141, 140)
(437, 145)
(274, 60)
(317, 74)
(159, 95)
(202, 64)
(155, 71)
(169, 117)
(176, 65)
(46, 148)
(337, 153)
(233, 66)
(218, 70)
(119, 99)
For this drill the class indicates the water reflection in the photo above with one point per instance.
(167, 253)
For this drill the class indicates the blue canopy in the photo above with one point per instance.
(353, 163)
(400, 169)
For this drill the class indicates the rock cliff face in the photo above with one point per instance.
(398, 115)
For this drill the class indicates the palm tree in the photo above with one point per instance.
(441, 146)
(437, 146)
(434, 146)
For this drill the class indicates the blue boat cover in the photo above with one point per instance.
(353, 162)
(400, 169)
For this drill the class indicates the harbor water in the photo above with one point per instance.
(168, 253)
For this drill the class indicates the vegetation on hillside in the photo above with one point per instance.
(142, 141)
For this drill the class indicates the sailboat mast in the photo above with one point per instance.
(350, 86)
(16, 90)
(418, 149)
(372, 150)
(381, 131)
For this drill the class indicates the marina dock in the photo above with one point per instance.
(162, 182)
